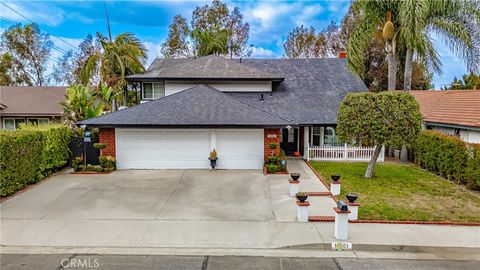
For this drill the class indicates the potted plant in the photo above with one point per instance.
(335, 177)
(352, 197)
(213, 159)
(295, 176)
(273, 147)
(302, 197)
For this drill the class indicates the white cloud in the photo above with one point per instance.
(153, 51)
(259, 52)
(36, 12)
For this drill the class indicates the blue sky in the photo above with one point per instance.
(270, 21)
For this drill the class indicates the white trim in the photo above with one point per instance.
(143, 88)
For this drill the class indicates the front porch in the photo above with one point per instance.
(320, 143)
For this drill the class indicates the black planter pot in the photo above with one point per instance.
(335, 177)
(213, 163)
(295, 176)
(302, 198)
(352, 197)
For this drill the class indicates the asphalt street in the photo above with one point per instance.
(69, 261)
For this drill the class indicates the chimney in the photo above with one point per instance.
(342, 55)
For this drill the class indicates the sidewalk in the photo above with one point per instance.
(229, 234)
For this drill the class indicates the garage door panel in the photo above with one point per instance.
(240, 149)
(170, 149)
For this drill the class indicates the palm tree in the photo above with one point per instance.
(378, 20)
(80, 104)
(210, 42)
(456, 22)
(107, 95)
(118, 58)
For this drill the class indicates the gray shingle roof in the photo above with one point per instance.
(208, 67)
(200, 105)
(311, 92)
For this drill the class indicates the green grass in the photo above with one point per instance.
(403, 192)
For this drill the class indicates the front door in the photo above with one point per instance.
(289, 142)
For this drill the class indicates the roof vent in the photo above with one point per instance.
(261, 98)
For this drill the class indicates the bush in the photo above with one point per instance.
(271, 168)
(77, 164)
(30, 153)
(473, 169)
(272, 146)
(271, 160)
(108, 163)
(100, 145)
(448, 156)
(56, 150)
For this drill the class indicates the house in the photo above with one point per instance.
(236, 106)
(33, 104)
(454, 112)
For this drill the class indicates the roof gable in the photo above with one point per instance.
(201, 105)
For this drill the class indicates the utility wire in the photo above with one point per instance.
(73, 46)
(55, 47)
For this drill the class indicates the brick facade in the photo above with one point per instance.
(275, 133)
(107, 135)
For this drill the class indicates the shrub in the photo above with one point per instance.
(20, 159)
(100, 145)
(29, 153)
(77, 164)
(271, 168)
(272, 146)
(448, 156)
(56, 150)
(271, 160)
(108, 163)
(472, 173)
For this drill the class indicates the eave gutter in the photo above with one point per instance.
(452, 126)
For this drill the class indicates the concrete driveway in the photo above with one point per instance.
(148, 194)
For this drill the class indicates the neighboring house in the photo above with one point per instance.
(236, 106)
(33, 104)
(453, 112)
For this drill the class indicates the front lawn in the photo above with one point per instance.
(403, 192)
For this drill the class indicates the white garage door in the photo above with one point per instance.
(240, 149)
(185, 149)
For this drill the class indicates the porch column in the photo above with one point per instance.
(322, 136)
(306, 140)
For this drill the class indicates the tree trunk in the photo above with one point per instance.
(371, 164)
(392, 66)
(407, 78)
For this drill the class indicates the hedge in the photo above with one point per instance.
(449, 157)
(30, 153)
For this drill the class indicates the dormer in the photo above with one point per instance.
(168, 76)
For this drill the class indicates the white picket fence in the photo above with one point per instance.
(342, 153)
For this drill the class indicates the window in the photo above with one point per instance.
(38, 121)
(330, 136)
(153, 90)
(316, 133)
(12, 123)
